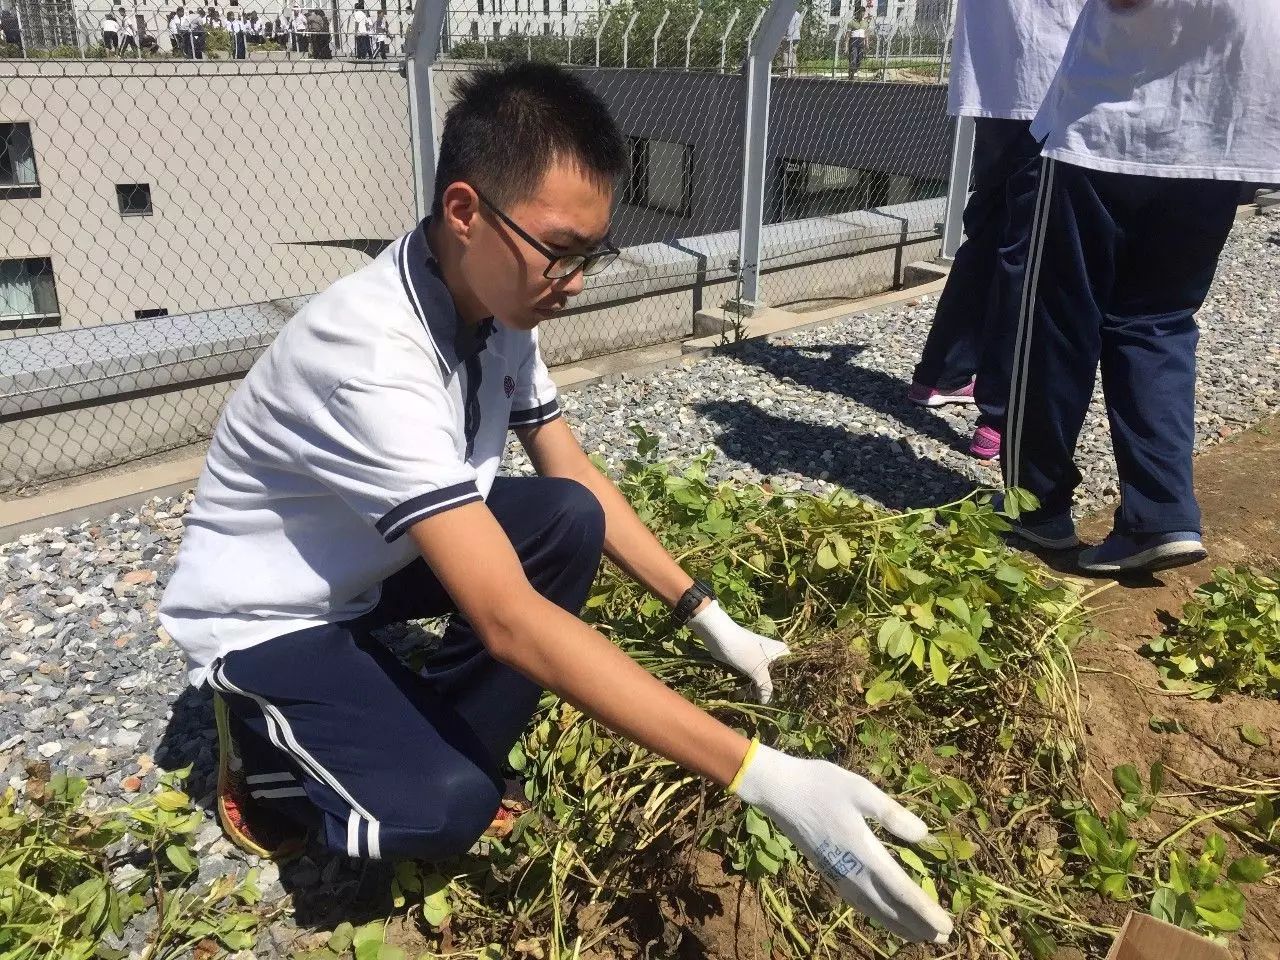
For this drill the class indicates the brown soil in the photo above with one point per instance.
(1120, 689)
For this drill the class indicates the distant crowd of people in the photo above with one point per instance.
(304, 32)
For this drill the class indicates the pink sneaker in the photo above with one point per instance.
(986, 443)
(930, 397)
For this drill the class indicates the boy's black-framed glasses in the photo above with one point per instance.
(560, 266)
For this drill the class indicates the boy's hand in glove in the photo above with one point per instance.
(738, 647)
(823, 808)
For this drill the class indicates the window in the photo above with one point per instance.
(18, 178)
(28, 297)
(546, 29)
(564, 7)
(546, 7)
(150, 312)
(475, 30)
(480, 7)
(805, 188)
(134, 199)
(835, 9)
(661, 176)
(497, 31)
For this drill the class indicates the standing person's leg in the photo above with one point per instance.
(1170, 254)
(991, 386)
(949, 359)
(395, 763)
(1070, 272)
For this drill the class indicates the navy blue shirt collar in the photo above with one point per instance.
(454, 341)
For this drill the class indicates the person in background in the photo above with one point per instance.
(382, 35)
(129, 32)
(318, 32)
(254, 28)
(239, 41)
(360, 25)
(301, 40)
(198, 34)
(1006, 53)
(1158, 114)
(110, 31)
(175, 31)
(11, 29)
(857, 40)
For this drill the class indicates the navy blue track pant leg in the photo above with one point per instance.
(396, 763)
(951, 354)
(1117, 268)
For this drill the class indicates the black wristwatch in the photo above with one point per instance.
(689, 602)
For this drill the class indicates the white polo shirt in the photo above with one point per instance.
(1171, 89)
(1006, 53)
(373, 409)
(361, 20)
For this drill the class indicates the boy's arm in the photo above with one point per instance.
(820, 806)
(475, 562)
(555, 452)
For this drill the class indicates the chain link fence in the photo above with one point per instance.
(166, 204)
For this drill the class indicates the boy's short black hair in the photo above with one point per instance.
(509, 125)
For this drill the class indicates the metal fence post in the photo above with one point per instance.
(758, 69)
(957, 188)
(626, 37)
(421, 47)
(666, 15)
(688, 37)
(600, 31)
(724, 38)
(948, 25)
(841, 29)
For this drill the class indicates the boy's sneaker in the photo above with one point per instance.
(926, 396)
(247, 823)
(1053, 533)
(1122, 553)
(986, 443)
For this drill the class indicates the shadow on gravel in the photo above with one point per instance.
(871, 466)
(830, 369)
(189, 738)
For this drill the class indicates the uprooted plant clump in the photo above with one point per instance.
(927, 655)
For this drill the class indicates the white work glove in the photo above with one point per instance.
(738, 647)
(821, 808)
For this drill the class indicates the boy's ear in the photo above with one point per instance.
(460, 205)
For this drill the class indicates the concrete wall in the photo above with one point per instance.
(252, 167)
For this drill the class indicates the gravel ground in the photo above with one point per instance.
(90, 682)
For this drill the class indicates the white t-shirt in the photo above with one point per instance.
(1178, 88)
(372, 410)
(361, 20)
(175, 26)
(1006, 53)
(109, 25)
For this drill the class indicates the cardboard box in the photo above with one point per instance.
(1143, 937)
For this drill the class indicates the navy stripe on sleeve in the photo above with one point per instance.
(396, 521)
(531, 418)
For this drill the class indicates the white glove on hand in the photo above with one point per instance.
(738, 647)
(821, 807)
